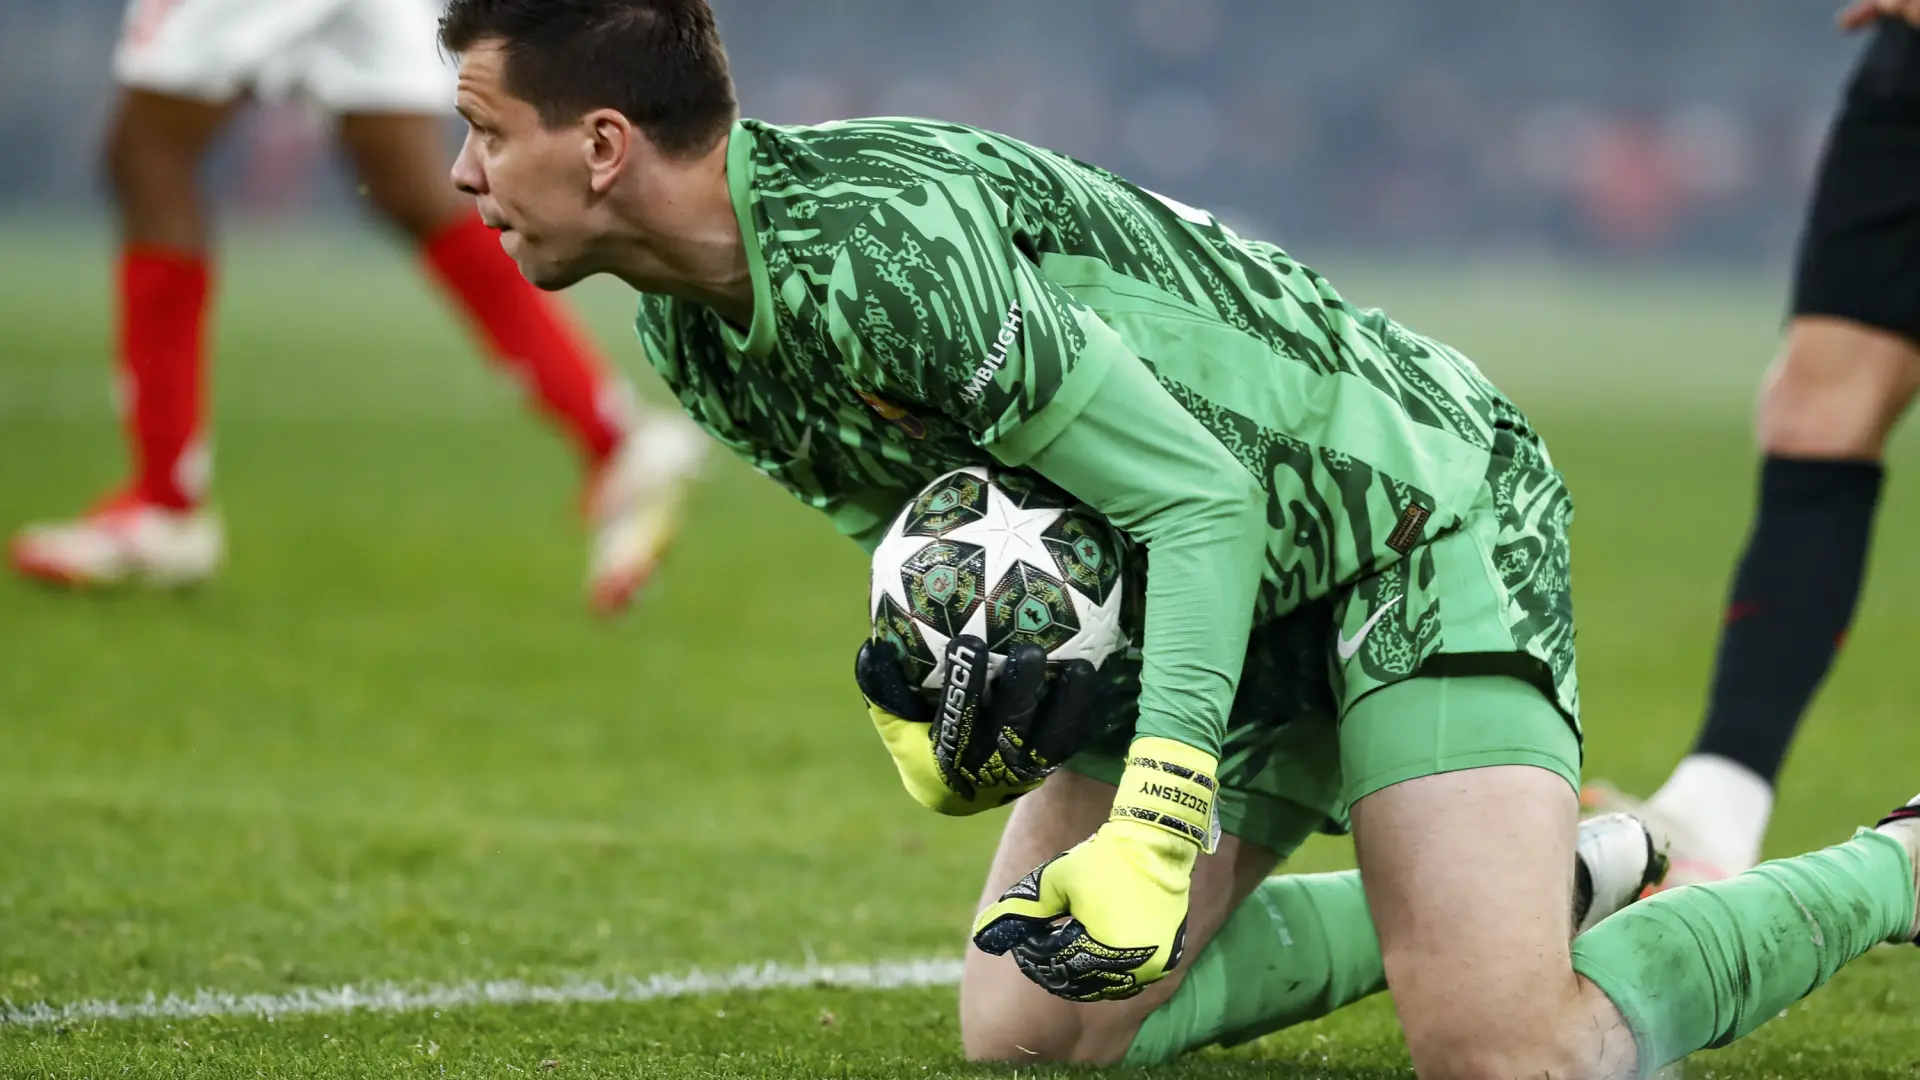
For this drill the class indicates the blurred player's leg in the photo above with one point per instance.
(401, 163)
(1267, 952)
(155, 527)
(1847, 373)
(1826, 412)
(183, 65)
(639, 461)
(376, 65)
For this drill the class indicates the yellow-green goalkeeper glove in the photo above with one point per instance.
(1122, 893)
(982, 746)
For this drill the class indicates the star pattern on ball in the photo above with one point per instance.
(1009, 535)
(1005, 536)
(1098, 621)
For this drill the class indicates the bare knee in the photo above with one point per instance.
(1006, 1017)
(1572, 1036)
(1003, 1017)
(1837, 390)
(1002, 1030)
(1467, 882)
(1500, 1054)
(137, 154)
(152, 158)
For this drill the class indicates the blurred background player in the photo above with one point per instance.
(1845, 376)
(185, 68)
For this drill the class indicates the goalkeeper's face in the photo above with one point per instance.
(538, 185)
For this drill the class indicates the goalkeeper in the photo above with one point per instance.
(858, 307)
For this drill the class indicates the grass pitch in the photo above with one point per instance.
(389, 746)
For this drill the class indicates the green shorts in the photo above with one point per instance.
(1458, 656)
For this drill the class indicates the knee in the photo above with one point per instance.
(140, 162)
(1013, 1040)
(1836, 391)
(1521, 1021)
(1002, 1030)
(1003, 1017)
(1500, 1052)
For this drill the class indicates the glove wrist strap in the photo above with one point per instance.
(1171, 786)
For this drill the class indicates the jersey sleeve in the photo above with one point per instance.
(937, 301)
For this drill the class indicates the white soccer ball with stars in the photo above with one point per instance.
(1006, 557)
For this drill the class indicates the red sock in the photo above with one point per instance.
(529, 333)
(163, 310)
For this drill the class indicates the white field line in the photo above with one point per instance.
(388, 997)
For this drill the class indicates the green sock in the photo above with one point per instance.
(1702, 966)
(1300, 947)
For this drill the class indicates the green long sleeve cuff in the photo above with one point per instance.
(1137, 456)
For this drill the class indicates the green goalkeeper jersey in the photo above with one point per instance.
(929, 295)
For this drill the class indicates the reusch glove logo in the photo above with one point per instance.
(960, 661)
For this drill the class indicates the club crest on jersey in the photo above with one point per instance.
(895, 415)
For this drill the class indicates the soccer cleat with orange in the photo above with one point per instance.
(126, 540)
(634, 504)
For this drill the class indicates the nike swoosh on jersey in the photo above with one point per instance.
(1348, 647)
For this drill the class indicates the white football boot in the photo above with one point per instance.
(1904, 825)
(1617, 860)
(1690, 866)
(126, 540)
(633, 506)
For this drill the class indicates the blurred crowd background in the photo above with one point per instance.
(1633, 129)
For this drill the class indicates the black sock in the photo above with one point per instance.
(1793, 598)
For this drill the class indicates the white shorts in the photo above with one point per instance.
(347, 55)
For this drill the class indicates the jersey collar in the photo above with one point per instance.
(758, 340)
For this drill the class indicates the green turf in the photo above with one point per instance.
(389, 745)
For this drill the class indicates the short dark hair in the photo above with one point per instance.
(660, 62)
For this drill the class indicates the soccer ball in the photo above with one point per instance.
(1003, 556)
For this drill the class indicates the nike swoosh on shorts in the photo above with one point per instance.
(1348, 647)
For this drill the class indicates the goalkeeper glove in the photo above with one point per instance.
(1123, 890)
(980, 748)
